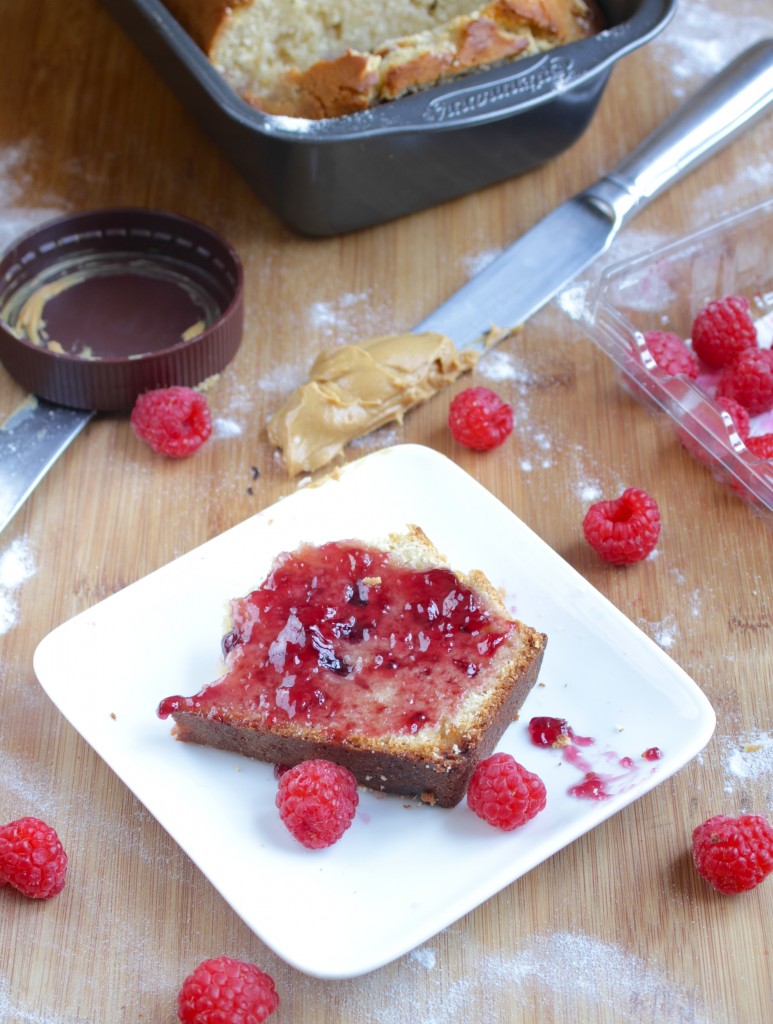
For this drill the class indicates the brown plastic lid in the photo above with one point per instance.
(97, 307)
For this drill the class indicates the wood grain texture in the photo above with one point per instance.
(614, 928)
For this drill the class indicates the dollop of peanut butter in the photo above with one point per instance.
(356, 388)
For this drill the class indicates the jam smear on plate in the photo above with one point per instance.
(557, 734)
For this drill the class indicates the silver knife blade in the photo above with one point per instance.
(546, 258)
(31, 440)
(526, 275)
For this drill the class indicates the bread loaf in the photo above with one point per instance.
(319, 59)
(381, 659)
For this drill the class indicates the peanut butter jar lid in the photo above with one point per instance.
(98, 307)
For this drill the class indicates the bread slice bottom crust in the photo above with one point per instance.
(434, 764)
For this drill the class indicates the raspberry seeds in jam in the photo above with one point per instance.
(345, 640)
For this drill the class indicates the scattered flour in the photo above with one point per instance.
(477, 262)
(329, 318)
(14, 1013)
(748, 770)
(26, 789)
(224, 427)
(697, 44)
(17, 564)
(752, 758)
(586, 476)
(560, 976)
(695, 603)
(589, 491)
(575, 303)
(424, 956)
(384, 437)
(282, 379)
(297, 125)
(17, 219)
(666, 632)
(501, 365)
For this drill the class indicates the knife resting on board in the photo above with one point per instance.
(522, 279)
(531, 271)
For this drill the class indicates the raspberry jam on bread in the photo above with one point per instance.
(380, 659)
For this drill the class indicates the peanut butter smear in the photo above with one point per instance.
(30, 320)
(356, 388)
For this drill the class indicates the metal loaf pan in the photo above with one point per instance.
(338, 175)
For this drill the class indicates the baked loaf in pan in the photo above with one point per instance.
(318, 59)
(381, 659)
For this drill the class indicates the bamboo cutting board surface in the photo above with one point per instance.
(616, 927)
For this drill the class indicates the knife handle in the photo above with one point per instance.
(725, 106)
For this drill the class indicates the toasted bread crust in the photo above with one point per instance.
(442, 780)
(435, 763)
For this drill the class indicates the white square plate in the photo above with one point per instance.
(403, 871)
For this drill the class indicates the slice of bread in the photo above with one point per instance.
(380, 659)
(318, 59)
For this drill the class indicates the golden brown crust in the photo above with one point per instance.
(436, 766)
(405, 66)
(204, 20)
(544, 17)
(333, 84)
(329, 88)
(441, 781)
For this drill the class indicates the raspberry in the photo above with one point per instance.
(623, 530)
(32, 859)
(749, 380)
(671, 354)
(733, 854)
(761, 445)
(174, 421)
(738, 415)
(504, 793)
(317, 801)
(226, 991)
(479, 419)
(722, 330)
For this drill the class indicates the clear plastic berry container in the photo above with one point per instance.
(663, 290)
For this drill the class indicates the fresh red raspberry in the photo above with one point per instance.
(749, 380)
(226, 991)
(761, 445)
(738, 415)
(317, 801)
(625, 529)
(479, 419)
(32, 859)
(722, 330)
(733, 854)
(174, 421)
(671, 354)
(504, 793)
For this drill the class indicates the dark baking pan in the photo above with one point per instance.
(329, 177)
